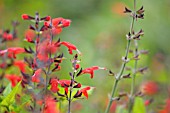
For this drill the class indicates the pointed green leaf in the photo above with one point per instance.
(10, 98)
(7, 90)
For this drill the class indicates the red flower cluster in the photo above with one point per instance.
(57, 24)
(12, 52)
(149, 88)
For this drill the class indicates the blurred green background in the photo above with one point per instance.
(98, 29)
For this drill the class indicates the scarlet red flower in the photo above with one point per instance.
(70, 47)
(21, 65)
(148, 102)
(30, 35)
(47, 18)
(7, 36)
(50, 106)
(26, 17)
(36, 76)
(46, 48)
(14, 79)
(12, 52)
(77, 66)
(58, 24)
(91, 70)
(54, 85)
(84, 91)
(64, 83)
(149, 88)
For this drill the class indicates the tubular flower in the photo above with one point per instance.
(54, 85)
(70, 47)
(14, 79)
(21, 65)
(50, 106)
(58, 24)
(26, 17)
(12, 52)
(36, 76)
(64, 83)
(84, 91)
(91, 70)
(149, 88)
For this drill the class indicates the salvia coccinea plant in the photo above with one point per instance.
(38, 88)
(132, 36)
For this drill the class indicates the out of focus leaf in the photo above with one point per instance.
(10, 98)
(7, 90)
(120, 109)
(139, 106)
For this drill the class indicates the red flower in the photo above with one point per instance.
(58, 24)
(54, 85)
(11, 52)
(50, 106)
(44, 49)
(14, 79)
(47, 18)
(91, 70)
(70, 47)
(36, 76)
(84, 91)
(21, 65)
(7, 36)
(30, 35)
(26, 17)
(149, 88)
(64, 83)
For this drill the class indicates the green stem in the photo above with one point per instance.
(118, 78)
(131, 100)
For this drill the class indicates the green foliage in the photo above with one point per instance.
(139, 106)
(9, 99)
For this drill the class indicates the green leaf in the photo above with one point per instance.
(139, 106)
(7, 90)
(10, 98)
(120, 109)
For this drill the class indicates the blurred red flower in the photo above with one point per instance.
(21, 65)
(12, 52)
(167, 107)
(50, 106)
(149, 88)
(30, 35)
(36, 76)
(14, 79)
(54, 85)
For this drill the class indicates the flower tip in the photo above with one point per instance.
(25, 17)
